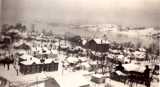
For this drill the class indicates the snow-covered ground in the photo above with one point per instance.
(65, 78)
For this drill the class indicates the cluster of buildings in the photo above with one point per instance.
(46, 53)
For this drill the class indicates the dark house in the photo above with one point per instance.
(97, 45)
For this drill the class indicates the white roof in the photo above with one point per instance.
(63, 46)
(54, 51)
(110, 55)
(14, 30)
(37, 61)
(121, 73)
(16, 44)
(134, 67)
(72, 59)
(93, 62)
(83, 58)
(78, 47)
(33, 49)
(21, 51)
(126, 59)
(120, 57)
(56, 43)
(84, 42)
(26, 56)
(98, 75)
(114, 51)
(39, 48)
(100, 41)
(142, 49)
(139, 54)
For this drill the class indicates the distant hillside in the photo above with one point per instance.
(111, 31)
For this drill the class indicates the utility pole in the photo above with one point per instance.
(59, 45)
(65, 39)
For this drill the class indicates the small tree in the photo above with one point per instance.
(44, 32)
(5, 28)
(23, 28)
(139, 44)
(76, 39)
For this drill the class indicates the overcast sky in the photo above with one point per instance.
(124, 12)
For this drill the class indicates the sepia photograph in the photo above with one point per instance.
(79, 43)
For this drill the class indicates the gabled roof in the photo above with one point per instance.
(101, 41)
